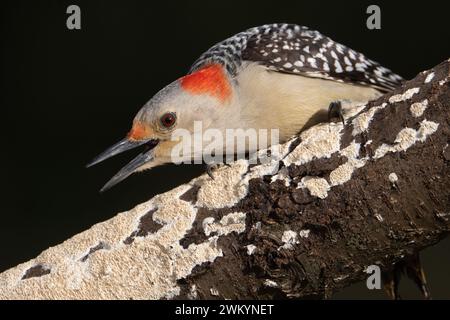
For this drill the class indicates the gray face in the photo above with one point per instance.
(174, 102)
(170, 109)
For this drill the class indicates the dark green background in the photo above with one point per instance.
(67, 95)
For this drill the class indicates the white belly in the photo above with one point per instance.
(289, 102)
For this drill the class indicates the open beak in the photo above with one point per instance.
(122, 146)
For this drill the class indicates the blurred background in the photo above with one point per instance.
(68, 94)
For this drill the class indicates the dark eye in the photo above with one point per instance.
(168, 119)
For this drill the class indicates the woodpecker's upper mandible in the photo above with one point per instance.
(280, 76)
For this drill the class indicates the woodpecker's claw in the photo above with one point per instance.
(415, 272)
(413, 269)
(391, 280)
(335, 107)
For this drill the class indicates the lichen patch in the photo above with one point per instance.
(289, 239)
(233, 222)
(250, 249)
(317, 142)
(393, 178)
(304, 233)
(406, 138)
(429, 77)
(417, 109)
(361, 122)
(225, 189)
(317, 187)
(344, 172)
(282, 175)
(408, 94)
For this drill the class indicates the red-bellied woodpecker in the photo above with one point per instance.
(274, 76)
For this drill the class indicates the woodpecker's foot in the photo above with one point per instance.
(391, 280)
(415, 272)
(335, 108)
(210, 168)
(410, 266)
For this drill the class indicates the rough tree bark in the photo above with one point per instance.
(341, 198)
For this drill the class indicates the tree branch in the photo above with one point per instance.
(342, 198)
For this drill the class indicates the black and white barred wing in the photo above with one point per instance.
(298, 50)
(295, 49)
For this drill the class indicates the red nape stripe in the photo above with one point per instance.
(210, 80)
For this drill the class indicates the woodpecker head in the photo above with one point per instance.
(200, 96)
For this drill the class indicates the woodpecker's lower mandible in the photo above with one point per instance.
(279, 76)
